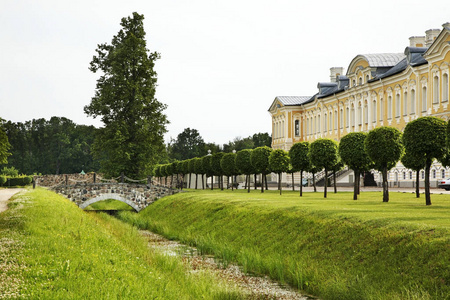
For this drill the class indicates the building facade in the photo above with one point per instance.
(387, 89)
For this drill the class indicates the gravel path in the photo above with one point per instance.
(5, 194)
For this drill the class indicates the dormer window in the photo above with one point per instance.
(360, 81)
(354, 82)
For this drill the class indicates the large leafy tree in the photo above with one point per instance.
(134, 123)
(260, 162)
(385, 148)
(188, 144)
(298, 154)
(425, 138)
(324, 154)
(351, 150)
(4, 145)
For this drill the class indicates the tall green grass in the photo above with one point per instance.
(335, 248)
(54, 250)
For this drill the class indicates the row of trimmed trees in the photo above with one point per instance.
(424, 140)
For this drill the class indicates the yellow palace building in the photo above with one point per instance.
(385, 89)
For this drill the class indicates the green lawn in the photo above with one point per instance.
(335, 248)
(51, 249)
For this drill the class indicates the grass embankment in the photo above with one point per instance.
(334, 248)
(50, 249)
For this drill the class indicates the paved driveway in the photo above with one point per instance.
(5, 194)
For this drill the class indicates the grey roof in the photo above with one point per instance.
(293, 100)
(383, 59)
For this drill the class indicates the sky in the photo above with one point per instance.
(222, 62)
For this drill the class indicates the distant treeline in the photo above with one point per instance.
(55, 146)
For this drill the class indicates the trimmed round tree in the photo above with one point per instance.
(416, 164)
(279, 163)
(426, 137)
(199, 170)
(351, 150)
(298, 155)
(384, 147)
(260, 162)
(216, 168)
(324, 154)
(244, 164)
(206, 161)
(228, 164)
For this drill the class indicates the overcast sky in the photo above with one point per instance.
(222, 62)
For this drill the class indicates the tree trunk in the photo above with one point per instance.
(190, 177)
(254, 184)
(427, 182)
(262, 182)
(359, 182)
(212, 182)
(196, 180)
(279, 182)
(301, 183)
(232, 182)
(325, 184)
(203, 181)
(314, 182)
(265, 180)
(385, 186)
(293, 188)
(248, 184)
(417, 184)
(355, 185)
(334, 182)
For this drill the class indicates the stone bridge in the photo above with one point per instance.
(138, 196)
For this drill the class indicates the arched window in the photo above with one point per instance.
(435, 90)
(445, 87)
(367, 78)
(341, 118)
(353, 116)
(389, 108)
(374, 111)
(397, 105)
(347, 118)
(318, 124)
(405, 103)
(422, 174)
(410, 174)
(325, 123)
(424, 99)
(366, 113)
(359, 114)
(443, 173)
(381, 110)
(360, 81)
(413, 101)
(297, 127)
(335, 120)
(330, 121)
(434, 174)
(404, 175)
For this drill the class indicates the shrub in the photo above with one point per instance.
(12, 172)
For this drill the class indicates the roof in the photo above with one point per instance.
(293, 100)
(383, 59)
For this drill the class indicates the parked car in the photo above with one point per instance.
(444, 184)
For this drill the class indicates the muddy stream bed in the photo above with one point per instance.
(255, 287)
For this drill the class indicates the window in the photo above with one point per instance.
(360, 81)
(443, 173)
(424, 99)
(434, 174)
(353, 116)
(374, 111)
(381, 110)
(445, 87)
(359, 115)
(405, 104)
(367, 78)
(389, 108)
(297, 127)
(422, 174)
(435, 90)
(335, 120)
(413, 102)
(366, 113)
(404, 175)
(410, 174)
(325, 123)
(397, 105)
(341, 118)
(347, 117)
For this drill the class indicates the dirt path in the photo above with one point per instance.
(5, 194)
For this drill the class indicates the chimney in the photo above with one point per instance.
(446, 25)
(417, 41)
(431, 35)
(335, 72)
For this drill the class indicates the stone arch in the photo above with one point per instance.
(109, 196)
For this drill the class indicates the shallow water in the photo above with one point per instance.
(255, 287)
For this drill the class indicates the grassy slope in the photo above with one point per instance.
(335, 248)
(50, 249)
